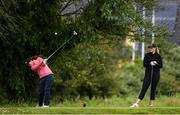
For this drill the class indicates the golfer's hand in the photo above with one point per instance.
(155, 62)
(45, 61)
(30, 63)
(152, 63)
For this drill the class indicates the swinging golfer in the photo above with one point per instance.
(152, 63)
(38, 65)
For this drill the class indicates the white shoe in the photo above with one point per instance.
(151, 105)
(135, 105)
(45, 106)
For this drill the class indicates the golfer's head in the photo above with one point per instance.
(27, 61)
(152, 48)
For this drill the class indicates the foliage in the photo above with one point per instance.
(26, 29)
(131, 74)
(88, 64)
(116, 17)
(170, 74)
(86, 70)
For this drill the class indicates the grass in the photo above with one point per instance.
(114, 105)
(90, 110)
(161, 101)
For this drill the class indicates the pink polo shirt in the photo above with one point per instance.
(41, 68)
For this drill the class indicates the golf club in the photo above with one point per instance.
(74, 34)
(151, 74)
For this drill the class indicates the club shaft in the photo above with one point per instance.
(59, 48)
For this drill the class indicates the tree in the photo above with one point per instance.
(27, 28)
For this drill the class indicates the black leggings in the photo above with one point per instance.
(45, 87)
(147, 81)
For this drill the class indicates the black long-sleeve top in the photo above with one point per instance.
(152, 57)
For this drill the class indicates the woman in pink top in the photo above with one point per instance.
(38, 65)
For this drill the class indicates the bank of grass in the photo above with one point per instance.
(161, 101)
(91, 110)
(114, 105)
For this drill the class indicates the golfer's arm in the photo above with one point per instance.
(35, 66)
(146, 62)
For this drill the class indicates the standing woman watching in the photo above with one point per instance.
(152, 63)
(38, 65)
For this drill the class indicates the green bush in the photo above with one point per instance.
(85, 71)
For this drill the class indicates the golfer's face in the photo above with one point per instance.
(152, 49)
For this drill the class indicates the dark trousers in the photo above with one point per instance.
(45, 87)
(148, 79)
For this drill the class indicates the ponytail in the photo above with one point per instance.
(157, 50)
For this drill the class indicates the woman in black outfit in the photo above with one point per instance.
(152, 63)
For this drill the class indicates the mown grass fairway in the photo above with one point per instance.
(90, 110)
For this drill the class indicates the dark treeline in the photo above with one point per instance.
(85, 65)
